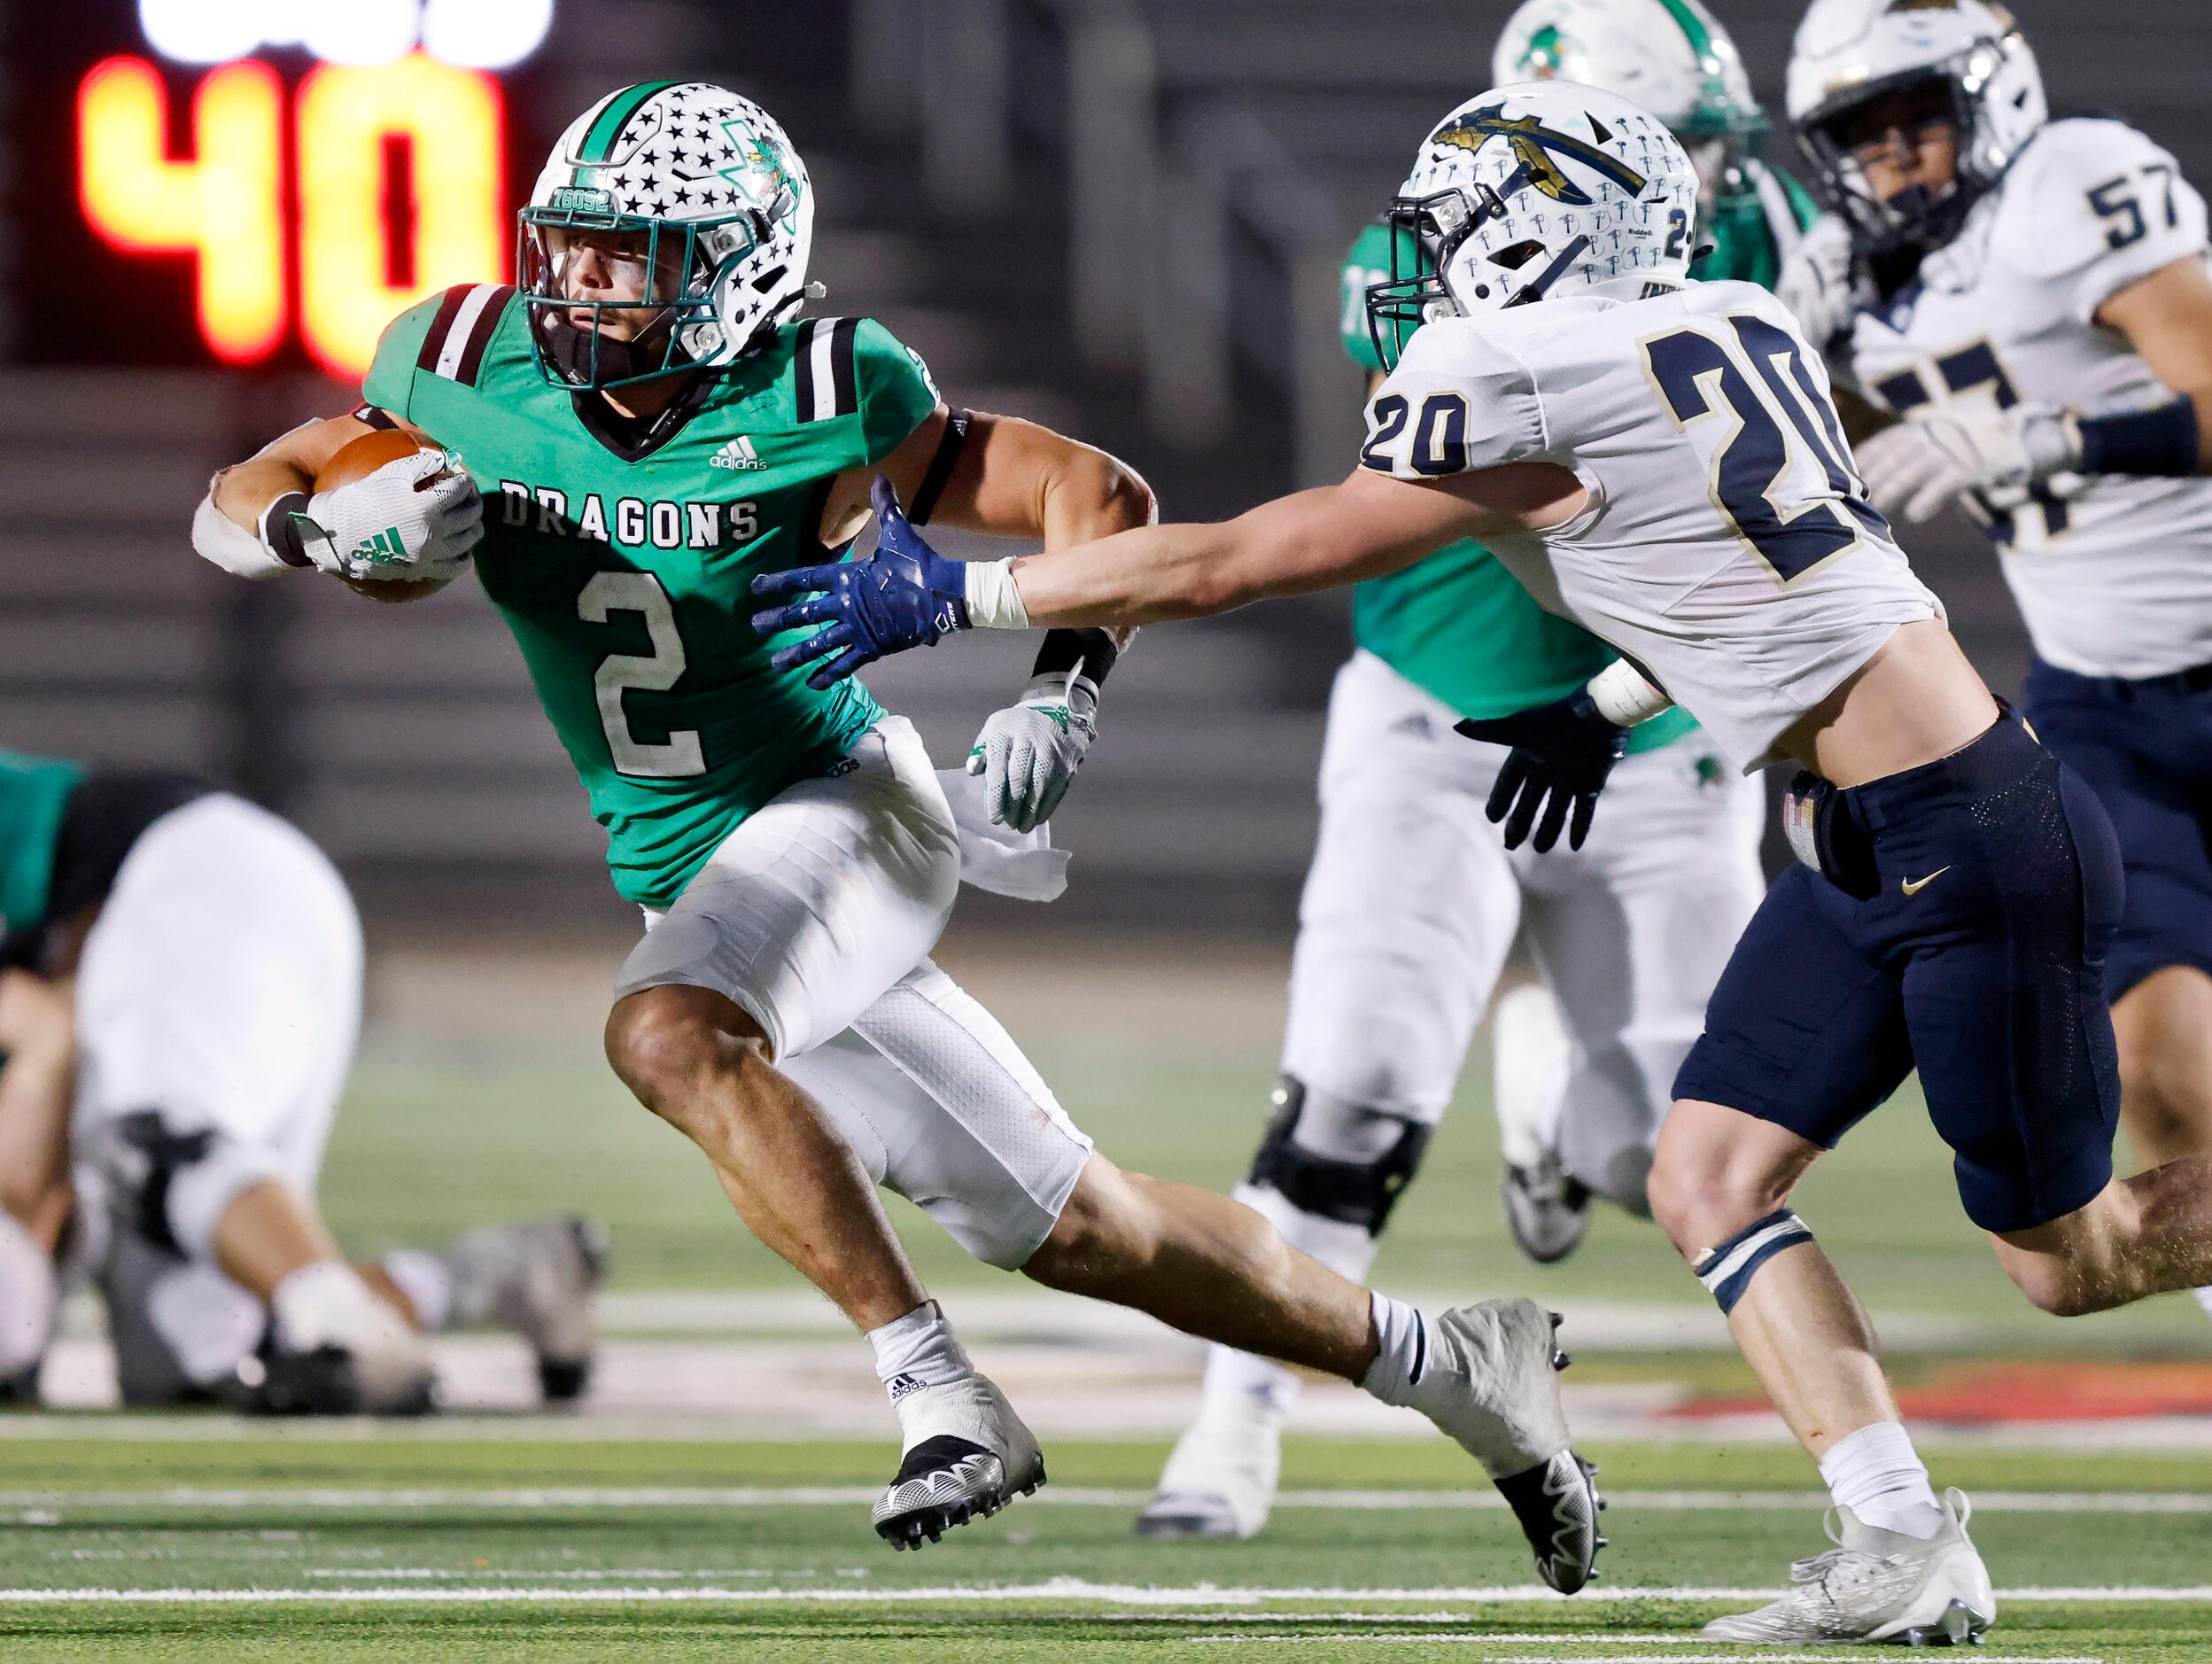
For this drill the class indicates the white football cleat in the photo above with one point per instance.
(1220, 1481)
(1877, 1585)
(966, 1455)
(1491, 1381)
(1546, 1208)
(538, 1279)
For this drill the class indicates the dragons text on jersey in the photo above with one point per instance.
(624, 572)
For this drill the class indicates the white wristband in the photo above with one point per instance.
(993, 601)
(1621, 695)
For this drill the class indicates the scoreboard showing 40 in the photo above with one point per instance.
(314, 203)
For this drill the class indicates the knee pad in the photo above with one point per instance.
(170, 1187)
(1726, 1270)
(1336, 1159)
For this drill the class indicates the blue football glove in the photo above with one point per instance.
(1561, 754)
(903, 594)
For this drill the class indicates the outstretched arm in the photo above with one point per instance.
(906, 594)
(1363, 528)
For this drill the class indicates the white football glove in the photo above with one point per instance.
(1922, 463)
(1029, 751)
(416, 517)
(1819, 283)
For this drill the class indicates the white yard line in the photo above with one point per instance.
(1061, 1495)
(1477, 1638)
(1062, 1589)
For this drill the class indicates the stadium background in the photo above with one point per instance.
(1123, 217)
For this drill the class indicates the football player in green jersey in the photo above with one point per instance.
(641, 428)
(1388, 980)
(180, 988)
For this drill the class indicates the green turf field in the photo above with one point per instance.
(184, 1538)
(316, 1549)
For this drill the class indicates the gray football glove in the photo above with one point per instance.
(1029, 751)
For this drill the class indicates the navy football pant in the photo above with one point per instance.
(2146, 749)
(1980, 960)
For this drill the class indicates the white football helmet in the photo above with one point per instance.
(1532, 191)
(1850, 52)
(729, 216)
(1670, 56)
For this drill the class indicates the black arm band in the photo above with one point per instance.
(2165, 442)
(1064, 649)
(279, 536)
(375, 416)
(933, 483)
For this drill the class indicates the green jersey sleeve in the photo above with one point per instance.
(389, 384)
(897, 393)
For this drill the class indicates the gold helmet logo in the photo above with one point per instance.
(1534, 147)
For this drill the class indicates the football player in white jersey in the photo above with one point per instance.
(1628, 932)
(2033, 297)
(1662, 461)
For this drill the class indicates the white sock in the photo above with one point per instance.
(1876, 1475)
(917, 1350)
(1395, 1375)
(2204, 1299)
(426, 1281)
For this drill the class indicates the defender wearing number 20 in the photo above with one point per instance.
(1661, 460)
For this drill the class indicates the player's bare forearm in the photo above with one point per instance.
(286, 464)
(1315, 539)
(37, 1033)
(2167, 318)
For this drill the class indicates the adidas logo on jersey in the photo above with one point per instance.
(738, 453)
(899, 1386)
(381, 549)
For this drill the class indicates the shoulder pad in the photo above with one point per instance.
(461, 328)
(2047, 224)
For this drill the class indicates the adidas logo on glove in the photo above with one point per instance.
(382, 549)
(738, 453)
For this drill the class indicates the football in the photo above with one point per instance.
(357, 459)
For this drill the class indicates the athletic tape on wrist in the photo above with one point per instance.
(1726, 1270)
(994, 601)
(1622, 694)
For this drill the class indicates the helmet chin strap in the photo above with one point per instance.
(595, 358)
(1536, 287)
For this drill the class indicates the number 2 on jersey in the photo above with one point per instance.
(607, 592)
(1703, 380)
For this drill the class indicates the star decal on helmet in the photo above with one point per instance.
(755, 157)
(1534, 147)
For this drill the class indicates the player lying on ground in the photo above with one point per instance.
(1413, 900)
(1996, 277)
(653, 425)
(1661, 459)
(178, 1015)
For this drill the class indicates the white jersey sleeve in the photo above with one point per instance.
(2104, 206)
(1457, 401)
(1726, 546)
